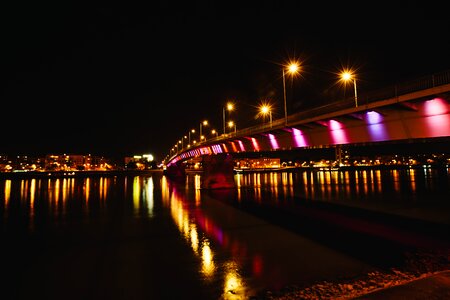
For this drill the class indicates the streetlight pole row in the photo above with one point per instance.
(292, 69)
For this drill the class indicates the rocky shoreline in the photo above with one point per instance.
(419, 265)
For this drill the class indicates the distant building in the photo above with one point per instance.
(258, 163)
(140, 162)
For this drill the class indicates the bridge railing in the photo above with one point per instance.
(422, 83)
(393, 91)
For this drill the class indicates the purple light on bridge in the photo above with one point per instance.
(255, 144)
(377, 130)
(273, 141)
(438, 118)
(337, 132)
(216, 149)
(241, 145)
(299, 138)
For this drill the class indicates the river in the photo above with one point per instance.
(145, 237)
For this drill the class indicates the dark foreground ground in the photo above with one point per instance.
(425, 276)
(376, 286)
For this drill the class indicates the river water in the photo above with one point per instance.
(145, 237)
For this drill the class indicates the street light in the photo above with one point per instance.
(214, 132)
(182, 141)
(228, 107)
(348, 76)
(293, 68)
(193, 131)
(264, 110)
(202, 123)
(231, 124)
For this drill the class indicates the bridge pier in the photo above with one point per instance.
(218, 172)
(176, 172)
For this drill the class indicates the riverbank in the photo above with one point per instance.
(69, 174)
(376, 285)
(336, 168)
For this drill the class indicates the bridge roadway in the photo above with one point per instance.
(415, 110)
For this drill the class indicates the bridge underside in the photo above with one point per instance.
(420, 119)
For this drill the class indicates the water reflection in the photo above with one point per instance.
(370, 188)
(208, 266)
(7, 192)
(234, 286)
(53, 197)
(236, 253)
(31, 205)
(143, 196)
(333, 185)
(201, 232)
(136, 194)
(149, 196)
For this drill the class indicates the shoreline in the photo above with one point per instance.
(342, 168)
(71, 174)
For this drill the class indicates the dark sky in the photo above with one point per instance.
(124, 79)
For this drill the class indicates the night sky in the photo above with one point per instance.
(122, 79)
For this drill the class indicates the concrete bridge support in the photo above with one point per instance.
(218, 172)
(176, 172)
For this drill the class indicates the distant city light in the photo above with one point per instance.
(149, 157)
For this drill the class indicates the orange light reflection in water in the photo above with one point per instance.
(396, 179)
(149, 196)
(7, 192)
(197, 186)
(193, 225)
(136, 194)
(31, 207)
(379, 183)
(412, 180)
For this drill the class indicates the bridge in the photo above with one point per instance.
(414, 110)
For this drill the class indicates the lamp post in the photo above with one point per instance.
(348, 76)
(214, 132)
(182, 141)
(204, 123)
(293, 68)
(193, 131)
(228, 107)
(265, 109)
(231, 124)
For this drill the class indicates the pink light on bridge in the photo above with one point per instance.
(337, 132)
(205, 150)
(273, 141)
(255, 144)
(299, 138)
(438, 118)
(436, 106)
(241, 145)
(377, 129)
